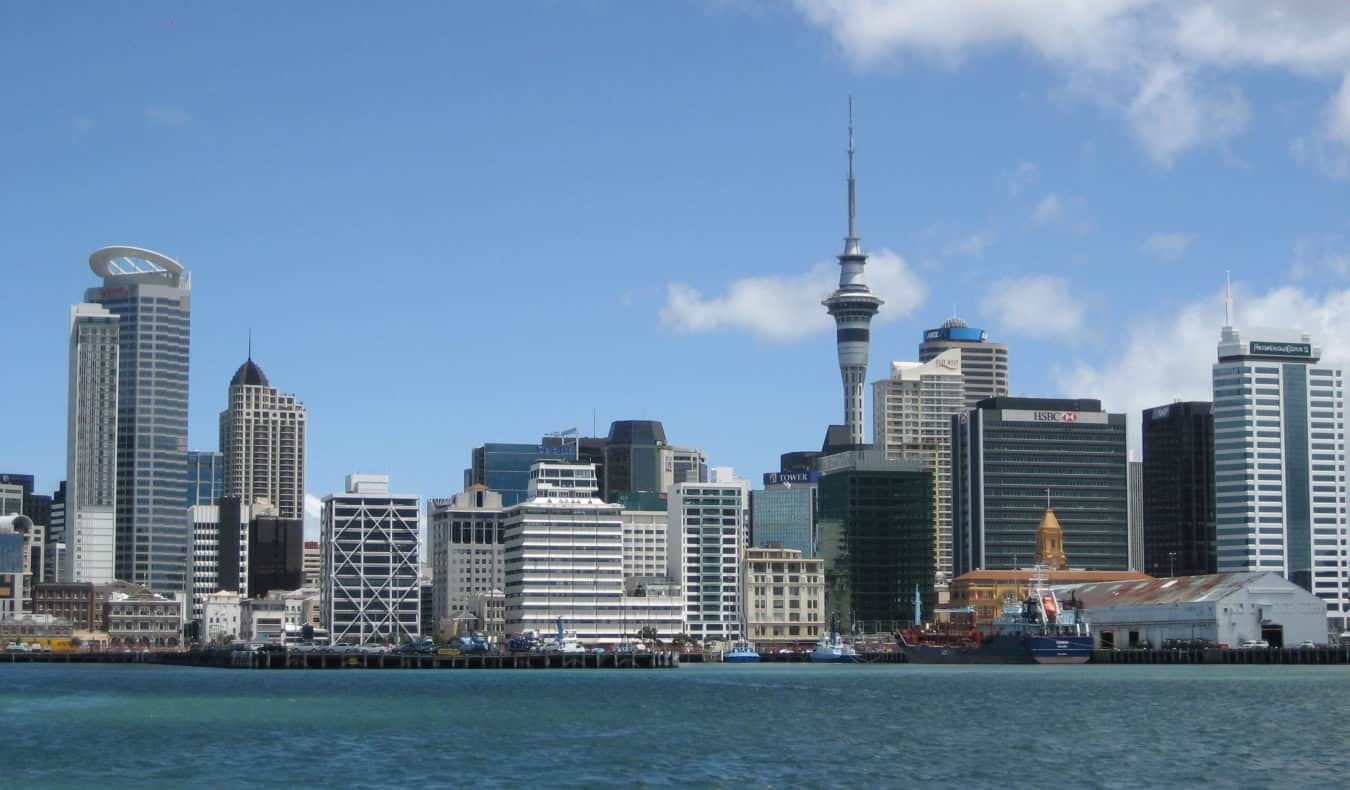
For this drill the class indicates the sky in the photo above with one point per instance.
(447, 224)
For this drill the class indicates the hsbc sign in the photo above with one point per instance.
(1019, 415)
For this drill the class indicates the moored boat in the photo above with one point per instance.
(742, 652)
(831, 649)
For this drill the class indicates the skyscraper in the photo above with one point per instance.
(1178, 483)
(637, 458)
(1010, 453)
(151, 295)
(984, 364)
(912, 418)
(91, 446)
(852, 305)
(206, 477)
(708, 521)
(262, 436)
(1279, 461)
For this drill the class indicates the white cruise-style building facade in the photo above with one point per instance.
(1279, 458)
(563, 557)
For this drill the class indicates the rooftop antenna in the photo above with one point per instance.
(1228, 298)
(852, 212)
(1047, 498)
(250, 343)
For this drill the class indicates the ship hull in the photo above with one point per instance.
(1006, 649)
(751, 658)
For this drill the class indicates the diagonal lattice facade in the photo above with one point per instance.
(369, 544)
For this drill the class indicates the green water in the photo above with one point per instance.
(755, 725)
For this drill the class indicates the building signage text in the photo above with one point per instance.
(1022, 415)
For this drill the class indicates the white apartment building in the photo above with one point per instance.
(709, 519)
(465, 534)
(912, 418)
(1279, 458)
(262, 439)
(564, 560)
(91, 445)
(220, 616)
(369, 539)
(644, 542)
(204, 551)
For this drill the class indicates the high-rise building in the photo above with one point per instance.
(1135, 488)
(505, 467)
(690, 465)
(369, 541)
(564, 562)
(14, 490)
(262, 436)
(1010, 454)
(709, 519)
(984, 364)
(313, 564)
(852, 306)
(783, 515)
(151, 296)
(637, 458)
(465, 537)
(206, 477)
(912, 415)
(56, 537)
(92, 454)
(209, 534)
(876, 538)
(1279, 462)
(276, 549)
(1178, 490)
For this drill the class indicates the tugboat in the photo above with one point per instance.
(742, 652)
(1038, 630)
(831, 649)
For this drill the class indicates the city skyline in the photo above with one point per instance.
(683, 252)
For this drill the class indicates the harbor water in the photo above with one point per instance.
(717, 725)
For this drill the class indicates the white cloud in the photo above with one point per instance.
(1167, 245)
(1025, 175)
(1034, 306)
(973, 245)
(313, 506)
(1161, 64)
(1169, 357)
(1048, 210)
(788, 307)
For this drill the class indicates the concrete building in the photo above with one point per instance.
(206, 556)
(1279, 458)
(1135, 520)
(221, 617)
(141, 618)
(1178, 490)
(690, 465)
(1224, 609)
(876, 538)
(56, 536)
(91, 445)
(783, 515)
(564, 559)
(313, 564)
(710, 520)
(466, 551)
(645, 534)
(369, 543)
(785, 597)
(262, 439)
(151, 296)
(984, 364)
(637, 458)
(912, 418)
(1009, 454)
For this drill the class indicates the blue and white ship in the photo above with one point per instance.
(831, 649)
(742, 652)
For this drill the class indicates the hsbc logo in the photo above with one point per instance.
(1055, 416)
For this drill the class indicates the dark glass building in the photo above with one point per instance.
(1010, 454)
(1178, 489)
(505, 468)
(875, 529)
(276, 555)
(635, 457)
(206, 477)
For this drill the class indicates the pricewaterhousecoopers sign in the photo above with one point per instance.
(1259, 348)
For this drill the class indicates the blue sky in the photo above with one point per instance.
(448, 224)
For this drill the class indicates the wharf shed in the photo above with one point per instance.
(1220, 608)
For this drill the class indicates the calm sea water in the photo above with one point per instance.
(769, 725)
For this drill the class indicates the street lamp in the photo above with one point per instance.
(1171, 563)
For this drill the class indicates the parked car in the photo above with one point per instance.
(1253, 644)
(1307, 643)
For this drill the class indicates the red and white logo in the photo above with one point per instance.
(1071, 416)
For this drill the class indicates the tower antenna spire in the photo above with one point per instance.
(250, 343)
(852, 240)
(1227, 297)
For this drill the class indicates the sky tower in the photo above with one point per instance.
(852, 306)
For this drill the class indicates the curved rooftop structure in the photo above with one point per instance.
(953, 323)
(126, 261)
(249, 375)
